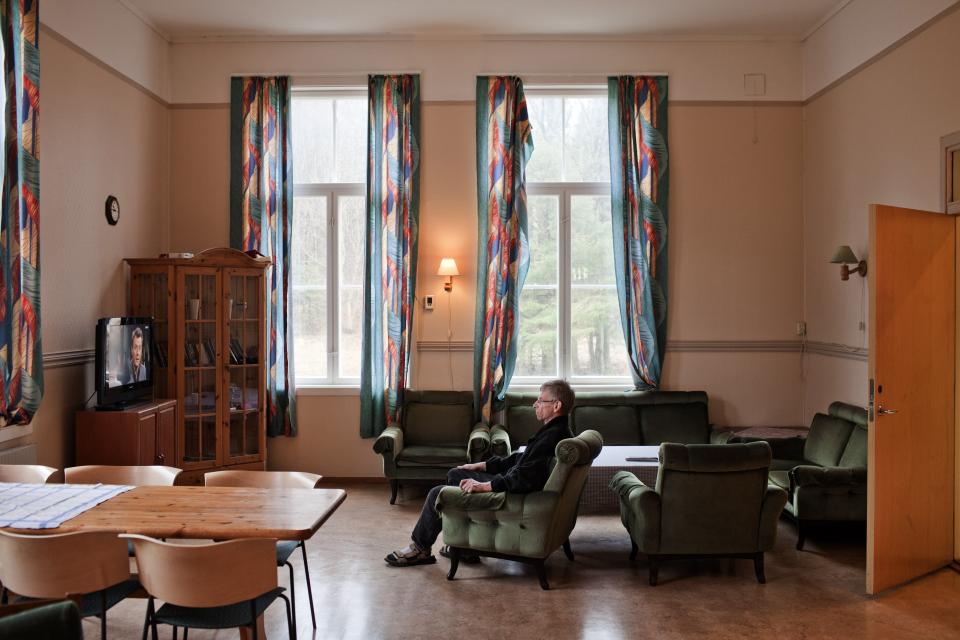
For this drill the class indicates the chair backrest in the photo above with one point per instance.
(41, 619)
(711, 496)
(206, 575)
(57, 565)
(855, 451)
(140, 476)
(437, 418)
(26, 473)
(826, 439)
(263, 479)
(568, 478)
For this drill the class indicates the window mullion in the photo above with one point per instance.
(333, 289)
(564, 359)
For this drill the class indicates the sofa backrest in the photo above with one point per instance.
(855, 452)
(684, 423)
(826, 440)
(711, 496)
(519, 417)
(615, 416)
(437, 418)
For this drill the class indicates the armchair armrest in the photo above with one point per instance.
(479, 442)
(720, 436)
(773, 503)
(454, 498)
(639, 510)
(806, 475)
(390, 442)
(500, 441)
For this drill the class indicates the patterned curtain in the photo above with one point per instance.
(20, 353)
(639, 183)
(390, 273)
(504, 145)
(261, 219)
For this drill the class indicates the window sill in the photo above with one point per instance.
(16, 431)
(327, 390)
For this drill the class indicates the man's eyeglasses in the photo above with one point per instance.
(545, 400)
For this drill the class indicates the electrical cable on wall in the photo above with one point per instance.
(450, 337)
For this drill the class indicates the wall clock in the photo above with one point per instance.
(112, 210)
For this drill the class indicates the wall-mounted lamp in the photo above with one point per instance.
(448, 268)
(844, 255)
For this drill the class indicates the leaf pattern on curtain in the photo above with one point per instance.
(390, 277)
(504, 145)
(261, 219)
(639, 183)
(20, 350)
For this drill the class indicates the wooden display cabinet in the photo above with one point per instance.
(142, 433)
(209, 347)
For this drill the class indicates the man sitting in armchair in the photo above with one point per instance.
(520, 472)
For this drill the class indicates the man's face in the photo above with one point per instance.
(546, 407)
(136, 351)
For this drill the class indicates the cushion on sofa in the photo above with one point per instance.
(416, 456)
(681, 423)
(826, 440)
(437, 424)
(616, 423)
(855, 453)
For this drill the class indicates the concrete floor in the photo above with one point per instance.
(816, 593)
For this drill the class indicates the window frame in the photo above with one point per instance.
(565, 192)
(949, 145)
(333, 192)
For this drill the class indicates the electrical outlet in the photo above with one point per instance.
(428, 302)
(801, 328)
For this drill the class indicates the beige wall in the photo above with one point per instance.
(100, 136)
(872, 139)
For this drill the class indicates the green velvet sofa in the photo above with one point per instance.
(622, 418)
(522, 527)
(824, 474)
(710, 500)
(435, 434)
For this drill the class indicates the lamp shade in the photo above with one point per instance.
(448, 267)
(844, 255)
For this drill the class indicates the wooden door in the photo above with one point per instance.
(911, 436)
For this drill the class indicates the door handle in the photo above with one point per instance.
(885, 412)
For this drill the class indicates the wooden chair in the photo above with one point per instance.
(26, 473)
(140, 476)
(94, 564)
(275, 480)
(220, 585)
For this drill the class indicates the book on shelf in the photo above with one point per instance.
(208, 355)
(236, 352)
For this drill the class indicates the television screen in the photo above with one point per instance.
(124, 363)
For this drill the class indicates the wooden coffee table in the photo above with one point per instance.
(597, 496)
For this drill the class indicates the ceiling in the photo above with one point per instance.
(771, 19)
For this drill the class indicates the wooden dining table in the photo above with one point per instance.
(220, 513)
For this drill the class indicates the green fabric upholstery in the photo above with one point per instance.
(436, 433)
(531, 525)
(855, 453)
(780, 479)
(709, 500)
(60, 620)
(827, 437)
(621, 418)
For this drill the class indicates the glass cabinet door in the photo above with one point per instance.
(149, 293)
(198, 306)
(243, 295)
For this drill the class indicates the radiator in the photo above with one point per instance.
(27, 454)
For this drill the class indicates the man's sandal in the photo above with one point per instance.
(408, 557)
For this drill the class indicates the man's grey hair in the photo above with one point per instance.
(562, 391)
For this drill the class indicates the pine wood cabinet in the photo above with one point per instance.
(208, 353)
(143, 433)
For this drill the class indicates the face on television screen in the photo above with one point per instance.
(127, 354)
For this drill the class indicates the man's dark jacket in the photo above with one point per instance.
(523, 472)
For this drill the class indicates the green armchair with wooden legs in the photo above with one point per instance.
(522, 527)
(711, 500)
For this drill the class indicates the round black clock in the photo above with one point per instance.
(112, 210)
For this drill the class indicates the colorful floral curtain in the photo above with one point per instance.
(261, 219)
(504, 145)
(390, 276)
(639, 183)
(20, 353)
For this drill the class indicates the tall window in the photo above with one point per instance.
(569, 317)
(329, 170)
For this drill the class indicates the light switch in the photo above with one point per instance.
(428, 302)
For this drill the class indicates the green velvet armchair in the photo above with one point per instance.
(522, 527)
(435, 434)
(710, 501)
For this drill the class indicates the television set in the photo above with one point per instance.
(124, 367)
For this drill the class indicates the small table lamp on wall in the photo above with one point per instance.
(448, 268)
(844, 256)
